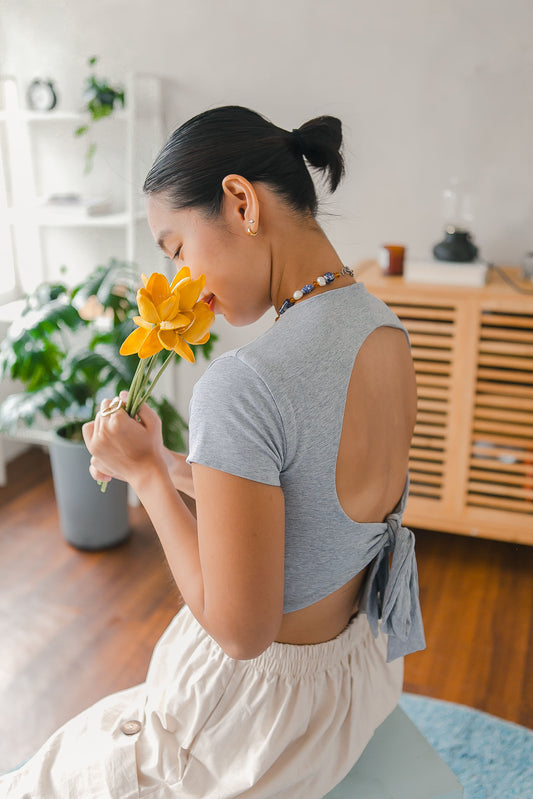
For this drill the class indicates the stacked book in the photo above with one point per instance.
(76, 203)
(448, 273)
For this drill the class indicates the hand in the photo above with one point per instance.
(122, 447)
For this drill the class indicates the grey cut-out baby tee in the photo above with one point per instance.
(272, 411)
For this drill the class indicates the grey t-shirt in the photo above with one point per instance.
(272, 411)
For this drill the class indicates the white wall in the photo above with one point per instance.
(426, 89)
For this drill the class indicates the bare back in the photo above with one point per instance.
(372, 462)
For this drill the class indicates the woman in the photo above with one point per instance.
(289, 651)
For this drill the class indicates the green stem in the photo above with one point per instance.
(146, 377)
(145, 396)
(137, 379)
(136, 397)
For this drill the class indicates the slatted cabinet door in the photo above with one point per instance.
(471, 459)
(500, 473)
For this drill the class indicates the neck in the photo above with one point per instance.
(299, 258)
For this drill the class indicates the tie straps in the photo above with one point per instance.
(392, 595)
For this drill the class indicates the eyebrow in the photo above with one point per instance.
(161, 239)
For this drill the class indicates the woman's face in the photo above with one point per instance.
(237, 276)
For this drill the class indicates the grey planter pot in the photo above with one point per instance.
(89, 519)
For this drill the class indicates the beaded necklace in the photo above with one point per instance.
(323, 280)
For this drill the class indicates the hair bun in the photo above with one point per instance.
(298, 140)
(320, 140)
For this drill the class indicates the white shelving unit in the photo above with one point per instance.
(26, 227)
(26, 220)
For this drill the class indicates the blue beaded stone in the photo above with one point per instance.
(329, 277)
(286, 305)
(307, 288)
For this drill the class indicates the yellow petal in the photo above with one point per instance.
(144, 279)
(190, 292)
(183, 349)
(169, 307)
(188, 318)
(168, 338)
(147, 309)
(204, 318)
(183, 272)
(140, 321)
(181, 321)
(205, 339)
(134, 342)
(158, 288)
(151, 344)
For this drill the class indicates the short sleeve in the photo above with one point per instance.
(235, 424)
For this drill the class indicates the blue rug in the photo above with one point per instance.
(492, 758)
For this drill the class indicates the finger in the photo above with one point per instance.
(99, 470)
(148, 417)
(87, 432)
(97, 464)
(106, 402)
(100, 477)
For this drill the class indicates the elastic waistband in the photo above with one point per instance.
(298, 659)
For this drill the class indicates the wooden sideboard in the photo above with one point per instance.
(471, 459)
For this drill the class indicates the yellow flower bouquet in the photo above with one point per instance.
(171, 317)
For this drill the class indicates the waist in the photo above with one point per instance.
(323, 620)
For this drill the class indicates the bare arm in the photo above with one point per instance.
(228, 564)
(180, 472)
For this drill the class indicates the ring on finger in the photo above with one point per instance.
(115, 406)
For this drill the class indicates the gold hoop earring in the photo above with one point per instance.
(249, 230)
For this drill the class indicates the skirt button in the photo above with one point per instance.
(131, 727)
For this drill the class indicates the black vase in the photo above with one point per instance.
(456, 246)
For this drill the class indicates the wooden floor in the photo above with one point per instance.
(75, 626)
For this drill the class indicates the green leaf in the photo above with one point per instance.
(119, 285)
(114, 285)
(34, 361)
(174, 426)
(43, 294)
(121, 367)
(114, 336)
(89, 288)
(81, 130)
(89, 158)
(51, 318)
(24, 407)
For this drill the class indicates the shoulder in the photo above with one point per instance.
(258, 365)
(233, 372)
(235, 424)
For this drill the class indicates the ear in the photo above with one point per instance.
(241, 205)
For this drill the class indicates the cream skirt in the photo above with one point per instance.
(288, 724)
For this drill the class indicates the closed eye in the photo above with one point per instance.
(177, 253)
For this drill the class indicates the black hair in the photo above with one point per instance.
(235, 140)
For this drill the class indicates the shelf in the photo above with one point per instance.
(10, 311)
(45, 218)
(57, 116)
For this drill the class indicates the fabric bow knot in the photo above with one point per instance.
(392, 594)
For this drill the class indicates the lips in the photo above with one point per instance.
(210, 300)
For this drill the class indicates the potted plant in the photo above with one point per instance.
(100, 99)
(65, 351)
